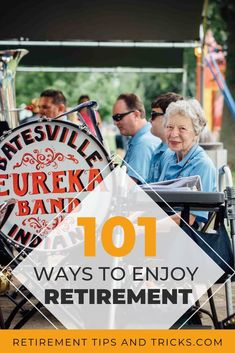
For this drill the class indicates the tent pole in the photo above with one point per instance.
(202, 64)
(184, 80)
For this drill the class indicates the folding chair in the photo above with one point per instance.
(221, 206)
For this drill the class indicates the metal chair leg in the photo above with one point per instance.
(2, 323)
(213, 310)
(28, 316)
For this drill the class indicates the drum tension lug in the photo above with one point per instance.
(5, 134)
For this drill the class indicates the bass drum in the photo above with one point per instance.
(46, 168)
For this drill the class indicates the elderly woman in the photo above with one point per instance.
(184, 121)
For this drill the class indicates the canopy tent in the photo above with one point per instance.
(101, 33)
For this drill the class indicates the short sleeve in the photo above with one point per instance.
(139, 162)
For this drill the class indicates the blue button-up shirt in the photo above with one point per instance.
(140, 150)
(196, 162)
(154, 169)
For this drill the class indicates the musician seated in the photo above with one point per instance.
(52, 103)
(130, 118)
(184, 121)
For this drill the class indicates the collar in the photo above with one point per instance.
(189, 155)
(163, 146)
(139, 133)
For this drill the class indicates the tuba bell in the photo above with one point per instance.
(9, 60)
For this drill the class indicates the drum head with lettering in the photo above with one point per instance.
(48, 167)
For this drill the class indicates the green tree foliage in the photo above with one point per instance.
(155, 84)
(103, 87)
(216, 23)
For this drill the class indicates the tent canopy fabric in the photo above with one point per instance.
(100, 20)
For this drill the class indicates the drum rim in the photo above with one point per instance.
(3, 137)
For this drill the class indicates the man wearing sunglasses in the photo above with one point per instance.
(129, 116)
(159, 106)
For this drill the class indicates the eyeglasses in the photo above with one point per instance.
(119, 117)
(154, 115)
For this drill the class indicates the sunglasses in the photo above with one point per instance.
(119, 117)
(154, 115)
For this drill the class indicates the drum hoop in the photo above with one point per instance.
(86, 132)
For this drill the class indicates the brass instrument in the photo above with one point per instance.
(9, 60)
(5, 277)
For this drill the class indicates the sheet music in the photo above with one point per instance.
(190, 183)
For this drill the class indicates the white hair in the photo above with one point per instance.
(191, 109)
